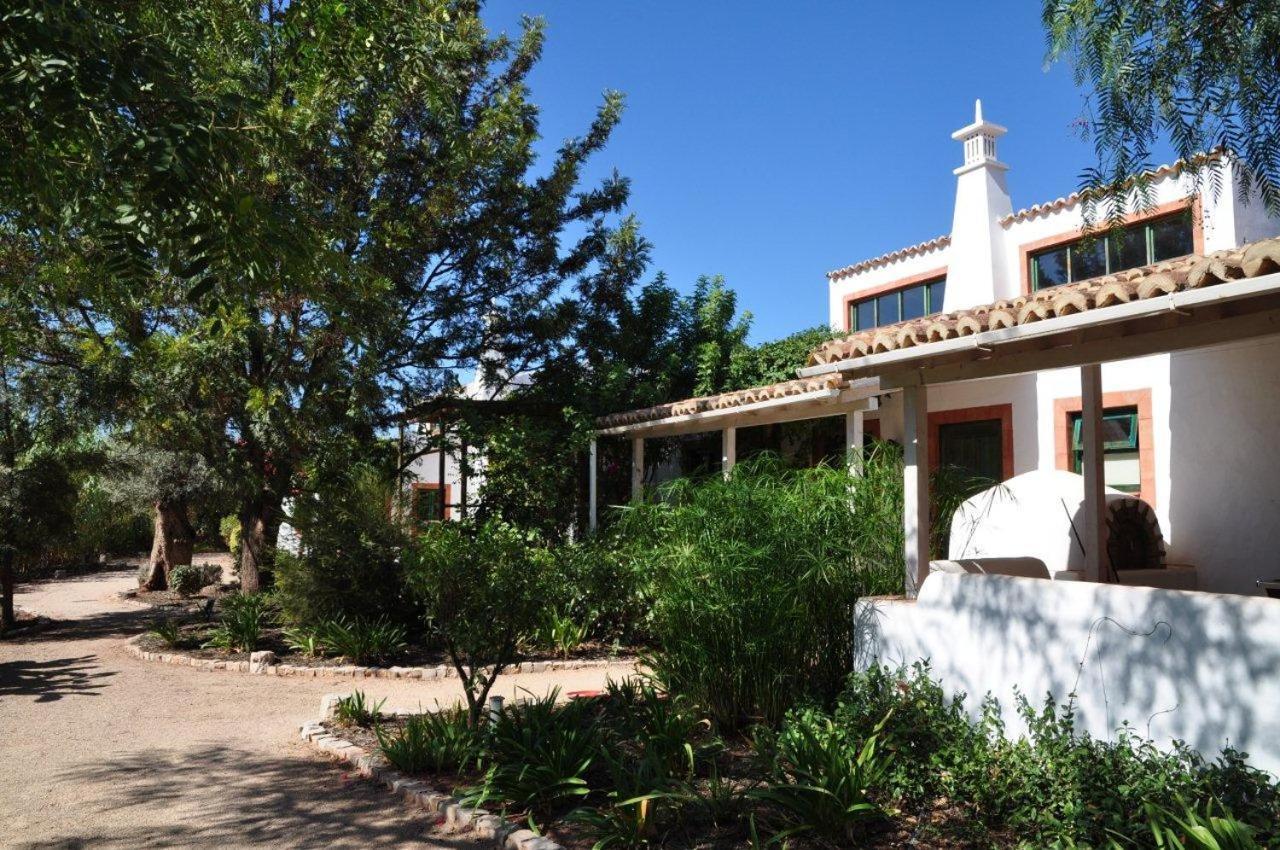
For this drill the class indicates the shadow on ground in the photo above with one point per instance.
(54, 679)
(215, 797)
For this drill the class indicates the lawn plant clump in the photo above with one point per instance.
(755, 577)
(243, 619)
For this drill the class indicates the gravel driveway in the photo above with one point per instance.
(103, 750)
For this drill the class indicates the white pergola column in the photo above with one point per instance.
(1094, 525)
(592, 512)
(728, 449)
(853, 439)
(637, 468)
(915, 489)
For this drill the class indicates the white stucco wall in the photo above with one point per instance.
(1199, 667)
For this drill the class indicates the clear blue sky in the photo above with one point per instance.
(772, 142)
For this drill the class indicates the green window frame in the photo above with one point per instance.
(929, 292)
(1120, 435)
(1139, 244)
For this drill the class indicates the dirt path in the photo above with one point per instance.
(102, 750)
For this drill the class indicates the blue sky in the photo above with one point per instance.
(772, 142)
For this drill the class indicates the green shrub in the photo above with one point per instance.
(361, 641)
(821, 776)
(186, 579)
(356, 709)
(1052, 786)
(600, 589)
(210, 574)
(539, 755)
(483, 588)
(561, 634)
(349, 567)
(437, 741)
(167, 631)
(244, 615)
(229, 530)
(755, 579)
(305, 640)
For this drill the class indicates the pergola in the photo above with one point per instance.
(1184, 304)
(788, 401)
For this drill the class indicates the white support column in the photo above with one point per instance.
(915, 450)
(728, 449)
(637, 468)
(592, 508)
(1094, 527)
(853, 438)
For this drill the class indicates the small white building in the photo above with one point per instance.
(440, 484)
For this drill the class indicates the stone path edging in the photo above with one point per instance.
(269, 667)
(417, 794)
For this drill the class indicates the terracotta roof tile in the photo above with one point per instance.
(891, 257)
(723, 401)
(1162, 278)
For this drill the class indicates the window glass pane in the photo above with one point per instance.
(1129, 250)
(1088, 259)
(1120, 450)
(913, 302)
(937, 290)
(1171, 237)
(1050, 268)
(865, 315)
(888, 308)
(426, 505)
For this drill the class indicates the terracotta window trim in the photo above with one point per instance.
(1026, 249)
(432, 485)
(1003, 412)
(1141, 399)
(886, 288)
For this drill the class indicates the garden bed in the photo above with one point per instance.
(717, 810)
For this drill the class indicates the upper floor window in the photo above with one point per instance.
(900, 305)
(1137, 245)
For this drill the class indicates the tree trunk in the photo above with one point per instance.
(173, 543)
(259, 525)
(7, 617)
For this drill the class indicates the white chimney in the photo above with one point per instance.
(976, 272)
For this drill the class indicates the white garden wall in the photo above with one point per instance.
(1199, 667)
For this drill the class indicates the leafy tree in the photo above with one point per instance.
(367, 198)
(484, 589)
(1201, 75)
(37, 495)
(717, 333)
(169, 485)
(774, 361)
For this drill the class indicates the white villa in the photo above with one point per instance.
(1188, 430)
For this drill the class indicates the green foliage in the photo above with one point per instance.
(1053, 786)
(167, 631)
(774, 361)
(821, 777)
(602, 587)
(353, 531)
(305, 640)
(755, 578)
(1212, 828)
(356, 709)
(229, 531)
(719, 333)
(186, 579)
(240, 625)
(443, 740)
(101, 527)
(539, 754)
(483, 588)
(561, 634)
(1197, 75)
(361, 641)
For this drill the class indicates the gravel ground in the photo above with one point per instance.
(102, 750)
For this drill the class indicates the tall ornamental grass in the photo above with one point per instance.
(755, 577)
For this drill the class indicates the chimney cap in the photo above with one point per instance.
(979, 126)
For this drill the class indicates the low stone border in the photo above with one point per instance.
(265, 664)
(416, 794)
